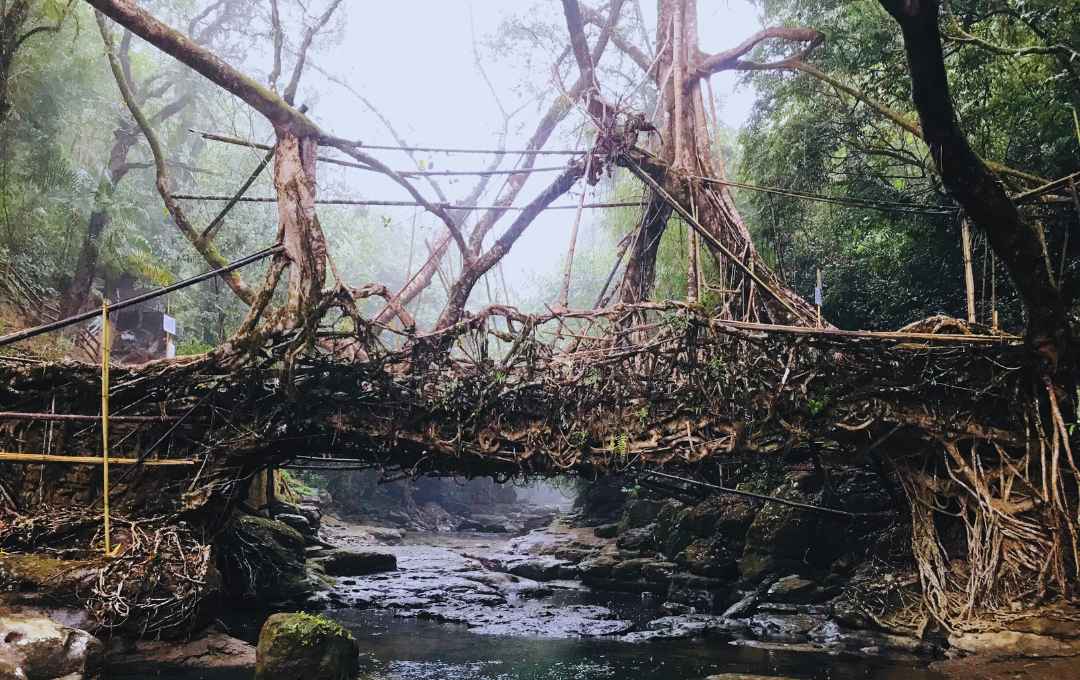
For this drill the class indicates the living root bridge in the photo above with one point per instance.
(957, 417)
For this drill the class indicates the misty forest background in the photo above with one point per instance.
(77, 179)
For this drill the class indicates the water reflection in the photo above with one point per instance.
(409, 649)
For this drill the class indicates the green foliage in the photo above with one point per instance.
(192, 346)
(885, 269)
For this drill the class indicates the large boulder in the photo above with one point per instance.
(640, 512)
(58, 579)
(709, 557)
(794, 589)
(357, 562)
(723, 519)
(263, 559)
(702, 593)
(1013, 643)
(37, 648)
(639, 539)
(781, 538)
(305, 647)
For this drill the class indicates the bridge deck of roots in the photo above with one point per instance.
(620, 390)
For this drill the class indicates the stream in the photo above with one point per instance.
(443, 614)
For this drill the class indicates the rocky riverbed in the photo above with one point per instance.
(532, 585)
(661, 589)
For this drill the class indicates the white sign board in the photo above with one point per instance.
(169, 324)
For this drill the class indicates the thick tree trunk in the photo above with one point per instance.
(305, 243)
(687, 151)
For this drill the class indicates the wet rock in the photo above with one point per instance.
(574, 554)
(639, 513)
(870, 643)
(598, 567)
(630, 570)
(1014, 643)
(298, 522)
(794, 588)
(491, 524)
(60, 579)
(709, 557)
(783, 627)
(305, 647)
(781, 538)
(539, 568)
(533, 620)
(701, 592)
(686, 626)
(560, 622)
(215, 650)
(851, 614)
(744, 607)
(637, 540)
(658, 572)
(606, 530)
(747, 676)
(265, 559)
(1055, 623)
(386, 535)
(790, 608)
(38, 648)
(676, 608)
(357, 562)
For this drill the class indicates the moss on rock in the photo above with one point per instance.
(307, 647)
(49, 574)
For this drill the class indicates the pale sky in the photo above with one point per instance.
(414, 60)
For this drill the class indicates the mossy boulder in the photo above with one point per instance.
(262, 558)
(58, 579)
(782, 539)
(305, 647)
(709, 557)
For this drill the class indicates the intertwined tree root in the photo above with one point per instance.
(981, 448)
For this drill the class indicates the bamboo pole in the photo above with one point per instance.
(993, 293)
(78, 417)
(105, 418)
(10, 457)
(969, 274)
(568, 267)
(819, 296)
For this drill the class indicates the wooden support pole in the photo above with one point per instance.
(32, 458)
(693, 270)
(79, 417)
(993, 292)
(568, 267)
(969, 275)
(105, 418)
(819, 296)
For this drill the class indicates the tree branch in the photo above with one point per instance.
(279, 40)
(301, 56)
(209, 253)
(130, 15)
(707, 65)
(471, 272)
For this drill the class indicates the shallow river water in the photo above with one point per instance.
(400, 646)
